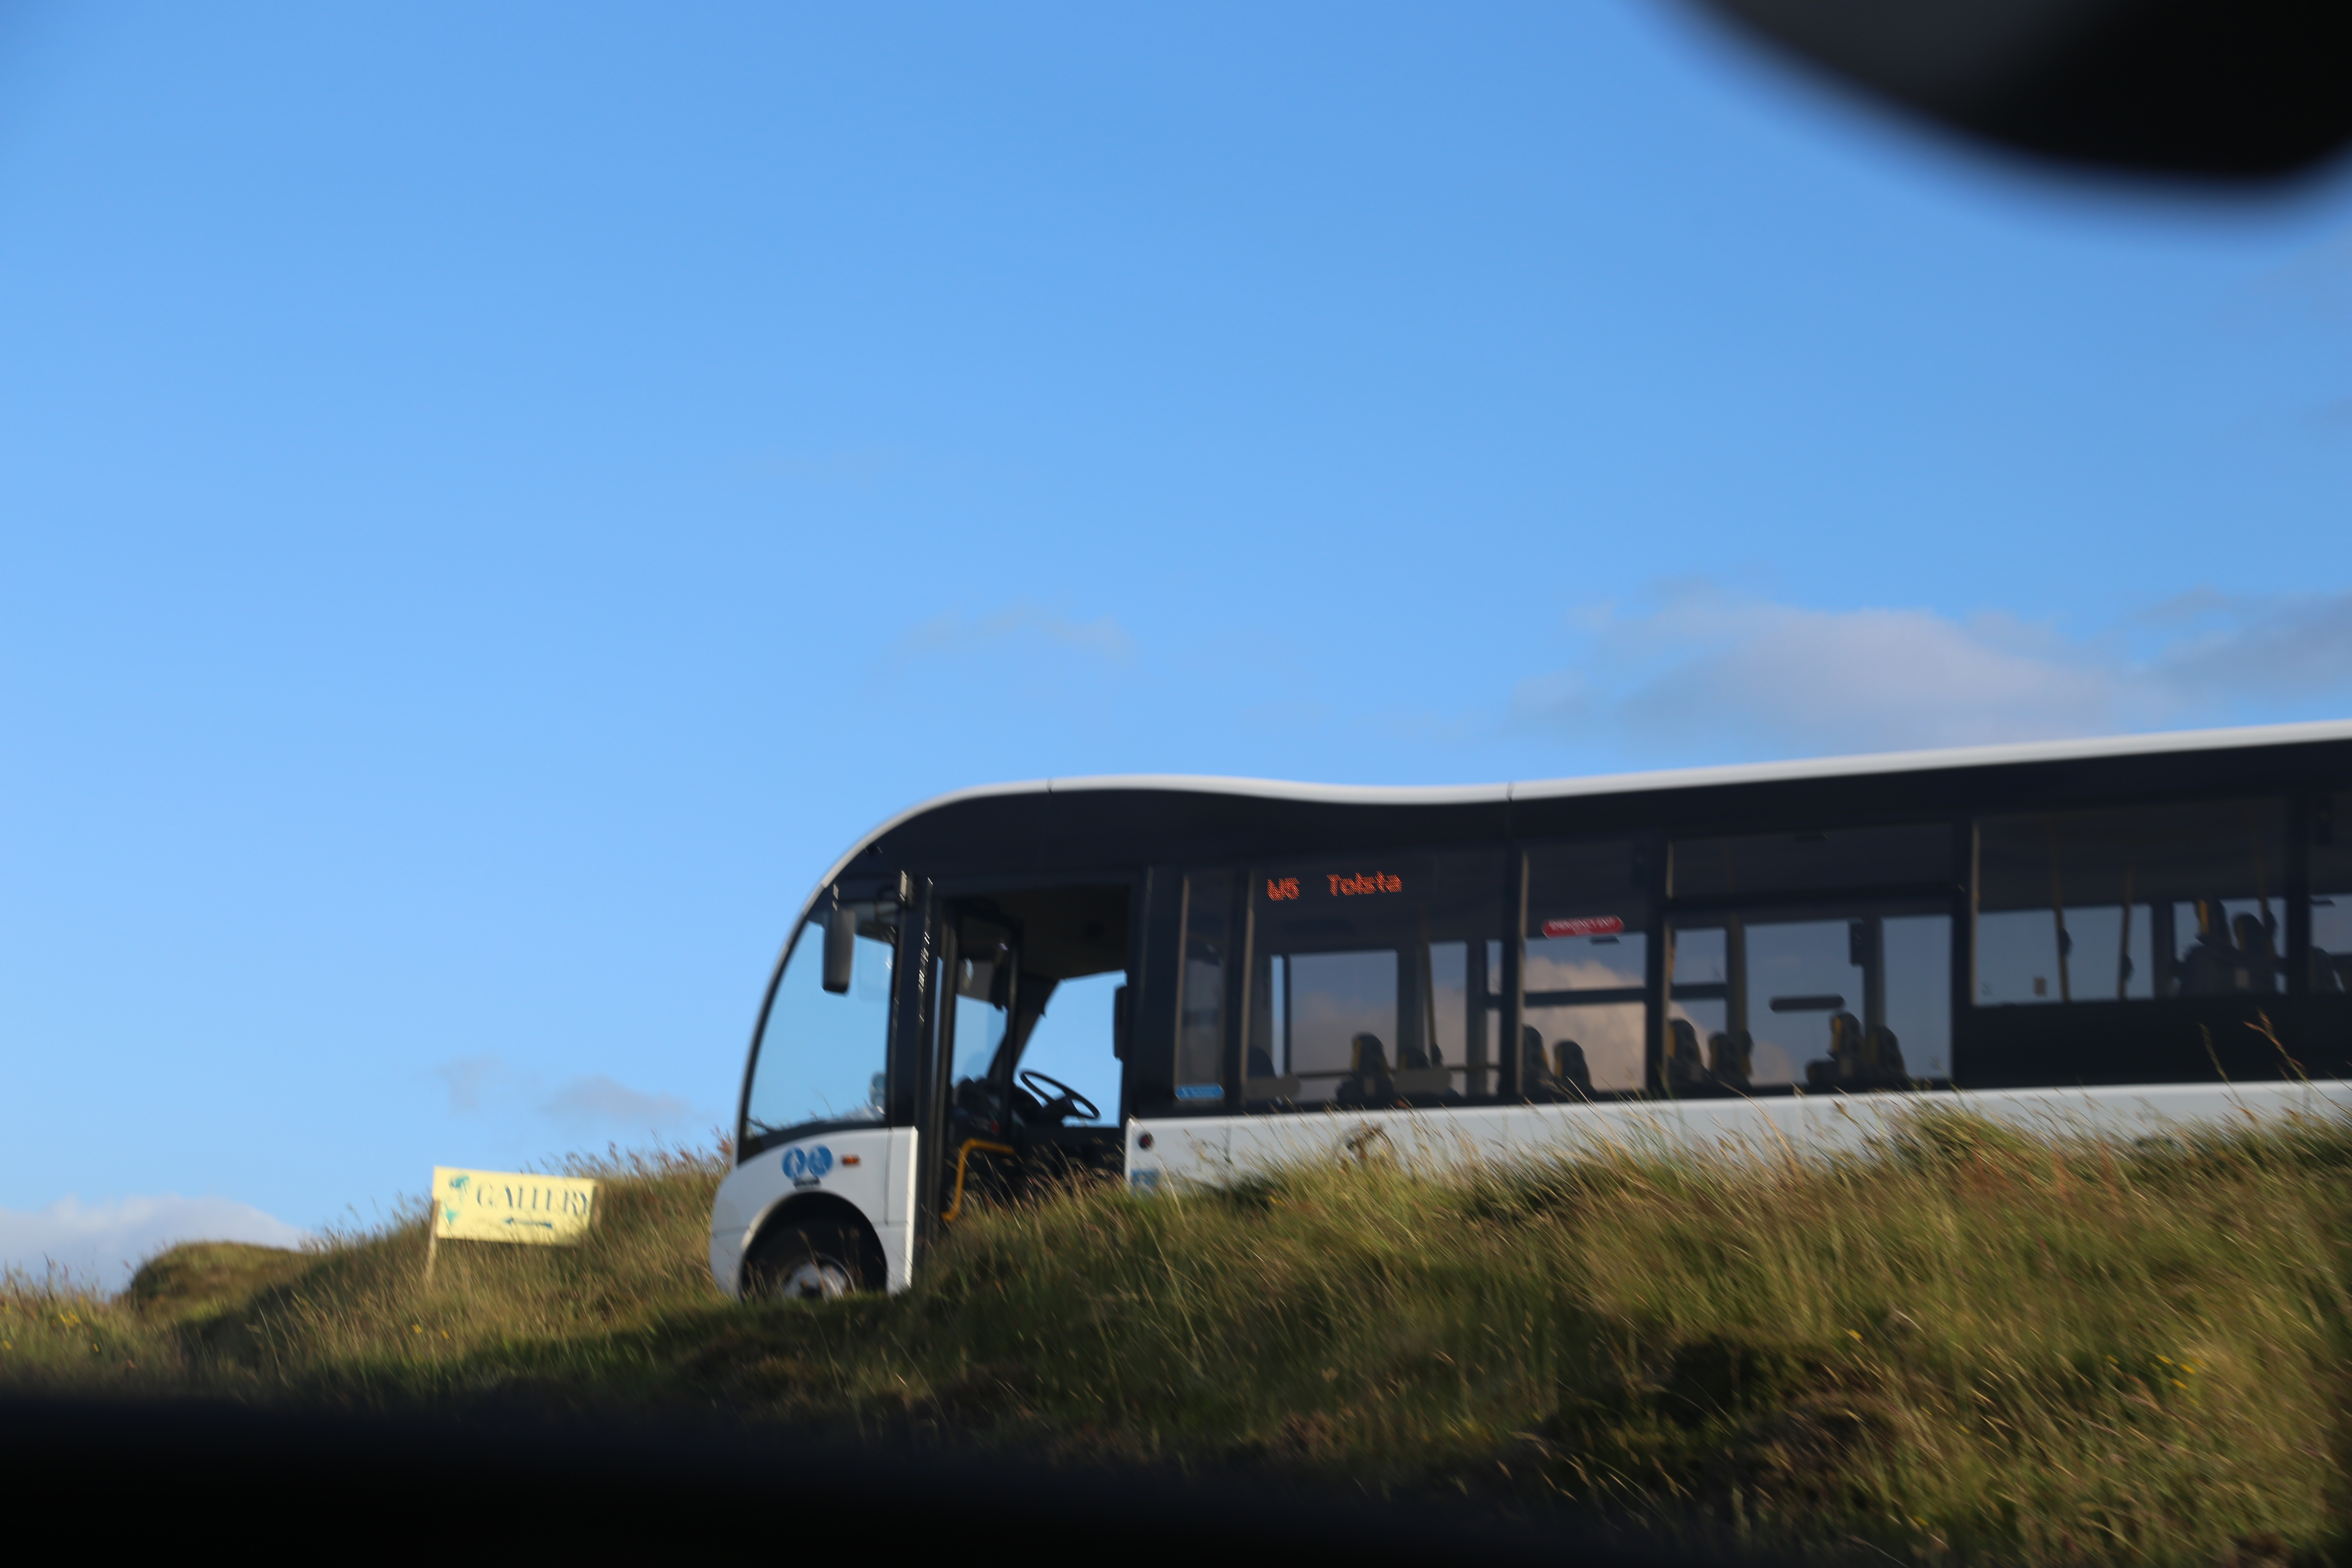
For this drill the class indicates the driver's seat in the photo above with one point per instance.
(1031, 1090)
(1053, 1146)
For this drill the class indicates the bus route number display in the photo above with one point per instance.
(1342, 885)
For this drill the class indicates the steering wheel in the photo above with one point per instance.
(1037, 1083)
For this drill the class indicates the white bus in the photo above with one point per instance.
(1175, 978)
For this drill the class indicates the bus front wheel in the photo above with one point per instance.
(808, 1260)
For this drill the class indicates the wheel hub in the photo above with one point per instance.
(817, 1279)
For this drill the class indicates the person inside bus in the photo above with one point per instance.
(1731, 1058)
(1568, 1067)
(1859, 1057)
(1685, 1073)
(1368, 1081)
(1821, 1073)
(2212, 966)
(1850, 1063)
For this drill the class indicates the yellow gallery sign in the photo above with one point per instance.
(503, 1206)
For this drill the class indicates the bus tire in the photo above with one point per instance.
(819, 1259)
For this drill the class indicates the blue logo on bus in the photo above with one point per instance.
(812, 1163)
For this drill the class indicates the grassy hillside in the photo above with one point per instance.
(1970, 1344)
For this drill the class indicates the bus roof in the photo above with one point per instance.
(1955, 757)
(1668, 778)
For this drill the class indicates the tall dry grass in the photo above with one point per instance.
(356, 1317)
(1969, 1341)
(1966, 1345)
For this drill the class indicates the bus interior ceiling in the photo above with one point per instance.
(1051, 935)
(1068, 933)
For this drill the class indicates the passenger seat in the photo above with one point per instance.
(1568, 1067)
(1263, 1082)
(1367, 1083)
(1536, 1081)
(1885, 1053)
(2256, 953)
(1421, 1072)
(1731, 1058)
(1685, 1072)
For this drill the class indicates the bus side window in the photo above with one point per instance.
(2136, 903)
(1376, 979)
(1075, 1038)
(1841, 997)
(1586, 964)
(823, 1055)
(2330, 963)
(1201, 984)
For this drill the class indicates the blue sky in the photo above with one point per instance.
(496, 497)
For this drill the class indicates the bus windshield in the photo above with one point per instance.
(822, 1058)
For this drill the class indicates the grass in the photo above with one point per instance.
(1969, 1345)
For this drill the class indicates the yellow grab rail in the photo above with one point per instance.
(963, 1158)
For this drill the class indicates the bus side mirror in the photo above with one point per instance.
(1120, 1014)
(840, 948)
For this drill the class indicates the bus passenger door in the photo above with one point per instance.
(972, 1153)
(1025, 1059)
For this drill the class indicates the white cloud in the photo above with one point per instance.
(102, 1243)
(586, 1102)
(593, 1100)
(1103, 636)
(1711, 671)
(2223, 646)
(466, 1077)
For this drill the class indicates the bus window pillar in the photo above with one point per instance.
(911, 1000)
(1867, 937)
(935, 1088)
(2163, 948)
(1735, 976)
(1657, 970)
(1411, 1001)
(1241, 964)
(1508, 1074)
(2300, 839)
(1966, 898)
(1475, 1003)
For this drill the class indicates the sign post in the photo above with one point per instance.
(507, 1205)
